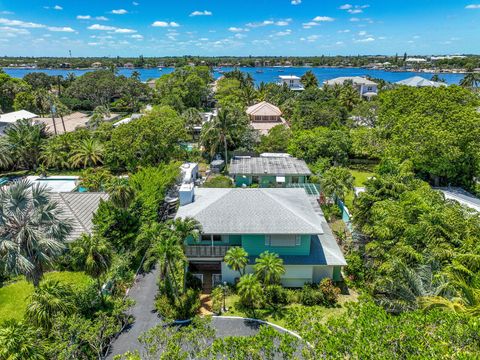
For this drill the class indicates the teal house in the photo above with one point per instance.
(268, 170)
(284, 221)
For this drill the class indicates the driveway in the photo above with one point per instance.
(143, 292)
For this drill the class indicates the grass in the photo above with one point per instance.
(360, 178)
(14, 296)
(279, 316)
(218, 181)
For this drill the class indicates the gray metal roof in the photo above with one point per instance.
(253, 211)
(418, 81)
(78, 208)
(268, 166)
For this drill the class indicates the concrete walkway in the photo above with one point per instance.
(143, 292)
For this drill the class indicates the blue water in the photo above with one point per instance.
(268, 74)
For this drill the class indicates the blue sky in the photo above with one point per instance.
(232, 27)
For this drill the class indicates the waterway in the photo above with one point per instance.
(260, 74)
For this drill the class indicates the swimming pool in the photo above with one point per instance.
(56, 183)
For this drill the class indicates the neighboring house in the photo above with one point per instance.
(292, 81)
(96, 65)
(79, 209)
(264, 116)
(151, 83)
(461, 196)
(418, 81)
(269, 170)
(283, 221)
(12, 117)
(365, 87)
(128, 66)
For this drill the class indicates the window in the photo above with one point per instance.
(281, 240)
(206, 237)
(369, 88)
(217, 238)
(267, 240)
(295, 180)
(298, 240)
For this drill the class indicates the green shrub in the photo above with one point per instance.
(355, 267)
(276, 295)
(310, 296)
(217, 299)
(187, 305)
(219, 181)
(329, 291)
(165, 308)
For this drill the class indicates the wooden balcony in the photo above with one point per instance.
(206, 251)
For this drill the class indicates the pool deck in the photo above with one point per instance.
(58, 183)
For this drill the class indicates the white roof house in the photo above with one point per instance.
(461, 196)
(13, 117)
(364, 86)
(292, 81)
(418, 81)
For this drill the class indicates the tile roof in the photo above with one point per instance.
(264, 109)
(268, 166)
(253, 211)
(78, 208)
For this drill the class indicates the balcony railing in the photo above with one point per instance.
(196, 251)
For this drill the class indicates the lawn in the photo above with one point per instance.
(278, 317)
(14, 297)
(360, 178)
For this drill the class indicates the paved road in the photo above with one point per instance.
(143, 292)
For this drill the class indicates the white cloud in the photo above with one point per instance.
(125, 31)
(236, 29)
(61, 29)
(323, 19)
(119, 12)
(259, 24)
(309, 24)
(135, 3)
(93, 43)
(201, 13)
(165, 24)
(354, 19)
(101, 18)
(137, 36)
(57, 7)
(362, 33)
(240, 36)
(345, 7)
(355, 11)
(344, 31)
(101, 27)
(473, 6)
(339, 43)
(6, 12)
(20, 23)
(83, 17)
(283, 33)
(8, 31)
(285, 22)
(296, 2)
(367, 39)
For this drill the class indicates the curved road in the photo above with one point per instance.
(143, 292)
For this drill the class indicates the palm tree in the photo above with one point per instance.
(218, 133)
(120, 193)
(250, 290)
(61, 109)
(185, 229)
(5, 156)
(50, 299)
(100, 114)
(269, 267)
(32, 231)
(94, 256)
(336, 181)
(54, 154)
(88, 153)
(470, 80)
(309, 80)
(24, 142)
(349, 96)
(237, 259)
(192, 118)
(249, 95)
(19, 341)
(170, 252)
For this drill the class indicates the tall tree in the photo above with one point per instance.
(250, 290)
(88, 153)
(309, 80)
(269, 267)
(32, 231)
(336, 182)
(237, 259)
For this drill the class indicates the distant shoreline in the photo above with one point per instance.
(435, 71)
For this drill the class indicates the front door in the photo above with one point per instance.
(216, 280)
(199, 276)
